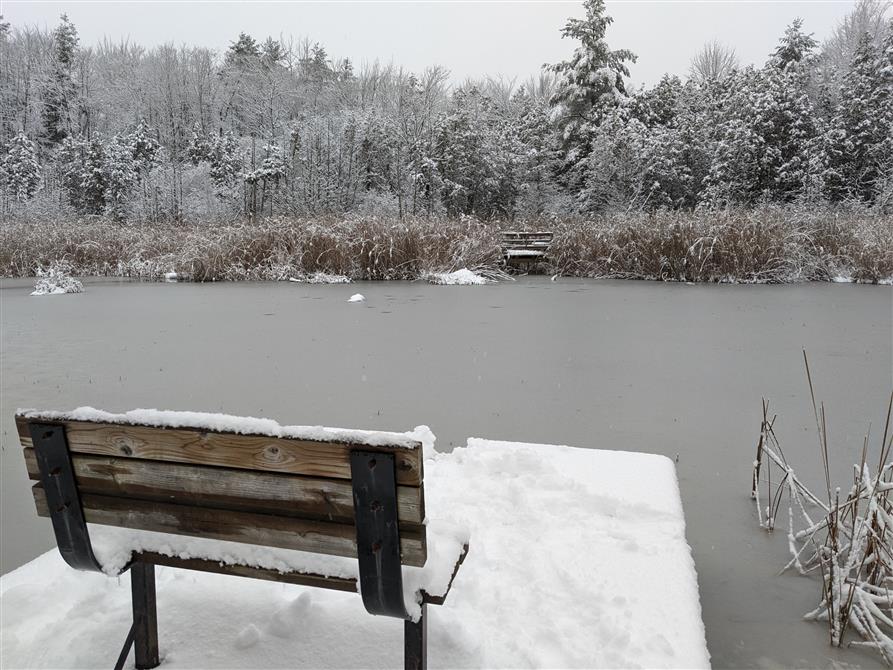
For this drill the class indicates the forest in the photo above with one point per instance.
(118, 157)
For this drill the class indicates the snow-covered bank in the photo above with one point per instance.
(578, 559)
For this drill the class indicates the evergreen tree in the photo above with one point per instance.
(144, 146)
(591, 83)
(794, 48)
(243, 51)
(121, 172)
(857, 142)
(59, 92)
(225, 163)
(70, 161)
(21, 172)
(94, 182)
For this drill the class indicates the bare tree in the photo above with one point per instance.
(868, 16)
(715, 61)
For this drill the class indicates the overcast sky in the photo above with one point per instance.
(471, 38)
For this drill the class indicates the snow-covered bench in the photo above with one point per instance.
(331, 508)
(525, 247)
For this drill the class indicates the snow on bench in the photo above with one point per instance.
(314, 506)
(579, 560)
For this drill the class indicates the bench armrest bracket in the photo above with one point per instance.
(63, 499)
(374, 479)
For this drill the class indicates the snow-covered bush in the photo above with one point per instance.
(56, 280)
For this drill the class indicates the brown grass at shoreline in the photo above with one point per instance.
(767, 245)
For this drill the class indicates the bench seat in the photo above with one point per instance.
(115, 548)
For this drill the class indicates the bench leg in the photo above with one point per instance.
(145, 619)
(415, 642)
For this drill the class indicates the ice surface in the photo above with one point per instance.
(578, 559)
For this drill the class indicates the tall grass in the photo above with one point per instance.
(763, 245)
(847, 542)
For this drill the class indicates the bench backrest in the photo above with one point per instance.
(516, 239)
(294, 491)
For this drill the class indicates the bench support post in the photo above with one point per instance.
(374, 479)
(63, 498)
(415, 642)
(145, 619)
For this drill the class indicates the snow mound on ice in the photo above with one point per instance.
(464, 277)
(357, 297)
(56, 280)
(577, 558)
(320, 278)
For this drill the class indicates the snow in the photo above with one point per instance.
(227, 423)
(357, 297)
(464, 277)
(320, 278)
(56, 281)
(577, 558)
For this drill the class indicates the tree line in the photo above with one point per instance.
(280, 128)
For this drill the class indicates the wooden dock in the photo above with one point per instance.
(527, 250)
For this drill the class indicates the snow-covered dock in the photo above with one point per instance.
(578, 559)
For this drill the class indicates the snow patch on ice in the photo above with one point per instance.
(463, 277)
(242, 425)
(357, 297)
(320, 278)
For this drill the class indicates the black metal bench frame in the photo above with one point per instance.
(373, 477)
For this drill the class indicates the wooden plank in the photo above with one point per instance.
(264, 530)
(204, 565)
(267, 492)
(248, 452)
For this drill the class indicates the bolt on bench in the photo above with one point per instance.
(356, 494)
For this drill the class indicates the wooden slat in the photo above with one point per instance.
(268, 492)
(259, 529)
(248, 452)
(203, 565)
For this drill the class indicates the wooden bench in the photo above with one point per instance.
(525, 248)
(323, 491)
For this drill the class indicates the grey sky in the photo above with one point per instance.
(470, 38)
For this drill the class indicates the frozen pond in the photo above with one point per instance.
(664, 368)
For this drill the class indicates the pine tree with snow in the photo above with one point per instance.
(121, 175)
(857, 142)
(226, 164)
(60, 90)
(590, 83)
(198, 148)
(94, 179)
(70, 162)
(794, 48)
(144, 146)
(21, 172)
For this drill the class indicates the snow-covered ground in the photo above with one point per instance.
(578, 558)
